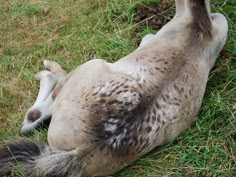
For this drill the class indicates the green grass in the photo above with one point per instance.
(72, 32)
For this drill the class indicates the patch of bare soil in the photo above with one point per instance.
(153, 15)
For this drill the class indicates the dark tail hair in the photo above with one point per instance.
(37, 160)
(202, 20)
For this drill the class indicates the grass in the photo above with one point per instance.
(72, 32)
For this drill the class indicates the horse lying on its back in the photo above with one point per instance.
(106, 115)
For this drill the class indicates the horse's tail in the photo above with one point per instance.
(32, 159)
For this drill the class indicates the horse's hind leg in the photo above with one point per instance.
(47, 83)
(180, 7)
(42, 108)
(146, 39)
(55, 69)
(180, 10)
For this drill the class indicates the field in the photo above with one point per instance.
(72, 32)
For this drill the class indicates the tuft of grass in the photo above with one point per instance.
(29, 10)
(72, 32)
